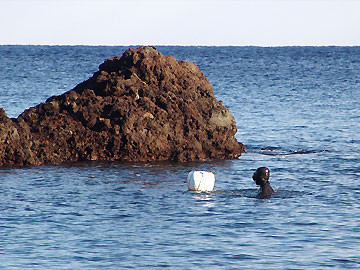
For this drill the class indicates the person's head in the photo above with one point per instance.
(261, 176)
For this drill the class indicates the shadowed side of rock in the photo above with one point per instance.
(17, 144)
(142, 106)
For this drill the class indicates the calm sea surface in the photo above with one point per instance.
(302, 104)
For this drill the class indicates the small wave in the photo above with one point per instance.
(252, 193)
(288, 194)
(277, 151)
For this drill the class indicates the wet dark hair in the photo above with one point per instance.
(261, 176)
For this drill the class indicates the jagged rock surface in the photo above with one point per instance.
(142, 106)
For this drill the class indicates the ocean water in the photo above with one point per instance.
(297, 111)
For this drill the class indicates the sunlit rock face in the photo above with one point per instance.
(142, 106)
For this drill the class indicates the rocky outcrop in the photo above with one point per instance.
(16, 142)
(142, 106)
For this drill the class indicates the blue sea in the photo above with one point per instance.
(298, 112)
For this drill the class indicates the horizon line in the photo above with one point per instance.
(170, 45)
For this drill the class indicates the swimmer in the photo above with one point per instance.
(261, 178)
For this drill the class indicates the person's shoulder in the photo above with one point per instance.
(265, 192)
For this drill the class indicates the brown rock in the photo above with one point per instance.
(142, 106)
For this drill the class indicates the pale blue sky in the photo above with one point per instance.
(180, 22)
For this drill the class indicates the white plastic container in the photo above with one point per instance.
(201, 181)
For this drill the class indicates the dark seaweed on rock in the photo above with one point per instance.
(142, 106)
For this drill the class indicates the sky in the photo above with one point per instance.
(181, 22)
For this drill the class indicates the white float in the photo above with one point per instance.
(201, 181)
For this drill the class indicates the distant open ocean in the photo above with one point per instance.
(297, 111)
